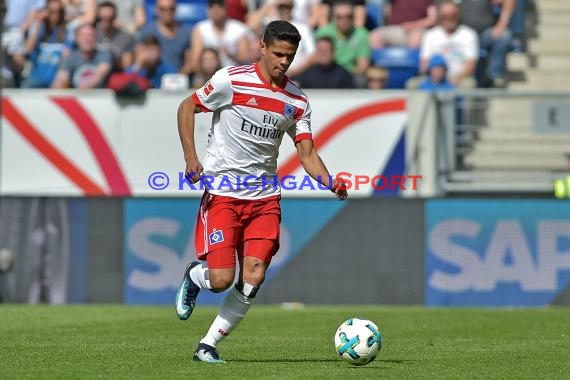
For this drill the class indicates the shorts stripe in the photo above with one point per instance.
(203, 217)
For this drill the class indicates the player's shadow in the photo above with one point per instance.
(309, 360)
(282, 360)
(382, 364)
(393, 361)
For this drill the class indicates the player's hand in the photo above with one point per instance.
(193, 170)
(339, 188)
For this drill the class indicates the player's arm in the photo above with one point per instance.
(185, 116)
(214, 94)
(315, 167)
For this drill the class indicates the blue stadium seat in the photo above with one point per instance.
(374, 14)
(188, 12)
(402, 64)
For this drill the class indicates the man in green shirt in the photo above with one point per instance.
(352, 50)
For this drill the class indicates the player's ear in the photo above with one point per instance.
(262, 46)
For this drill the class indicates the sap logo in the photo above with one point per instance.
(507, 257)
(142, 243)
(168, 264)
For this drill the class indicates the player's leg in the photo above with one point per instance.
(221, 268)
(260, 237)
(216, 275)
(215, 238)
(254, 263)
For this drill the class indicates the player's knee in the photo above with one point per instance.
(221, 280)
(254, 273)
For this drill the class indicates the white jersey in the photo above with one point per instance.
(250, 119)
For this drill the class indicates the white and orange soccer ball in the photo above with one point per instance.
(358, 341)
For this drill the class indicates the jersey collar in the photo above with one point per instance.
(266, 83)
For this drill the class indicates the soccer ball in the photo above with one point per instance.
(358, 341)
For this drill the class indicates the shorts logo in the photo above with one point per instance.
(289, 111)
(216, 237)
(208, 88)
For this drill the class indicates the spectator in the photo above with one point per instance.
(48, 43)
(494, 34)
(457, 43)
(229, 37)
(376, 78)
(325, 73)
(208, 64)
(80, 12)
(131, 15)
(407, 22)
(174, 38)
(86, 67)
(307, 12)
(283, 10)
(517, 25)
(359, 15)
(436, 75)
(352, 50)
(148, 62)
(8, 71)
(20, 15)
(110, 37)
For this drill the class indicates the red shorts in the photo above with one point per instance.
(226, 222)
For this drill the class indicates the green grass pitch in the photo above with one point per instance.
(122, 342)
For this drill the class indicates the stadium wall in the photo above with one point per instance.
(94, 144)
(84, 225)
(460, 252)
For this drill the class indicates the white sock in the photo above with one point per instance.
(200, 276)
(235, 305)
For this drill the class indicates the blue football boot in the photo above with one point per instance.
(187, 294)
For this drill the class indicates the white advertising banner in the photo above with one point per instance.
(76, 143)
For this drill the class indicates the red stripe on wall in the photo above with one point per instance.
(50, 152)
(342, 122)
(98, 143)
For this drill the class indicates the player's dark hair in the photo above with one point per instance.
(281, 31)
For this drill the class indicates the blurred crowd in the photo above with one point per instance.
(179, 44)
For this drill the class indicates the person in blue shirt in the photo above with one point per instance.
(174, 37)
(48, 44)
(148, 62)
(436, 75)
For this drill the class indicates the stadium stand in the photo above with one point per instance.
(507, 151)
(188, 12)
(374, 14)
(402, 64)
(532, 64)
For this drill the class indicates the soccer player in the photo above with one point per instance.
(254, 106)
